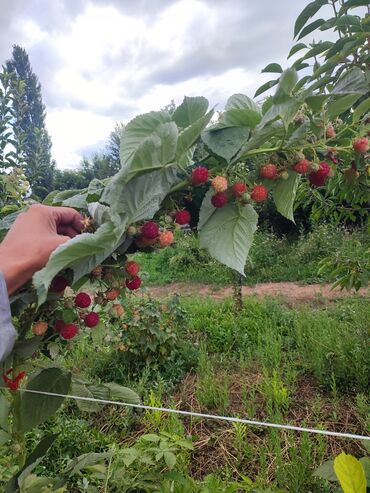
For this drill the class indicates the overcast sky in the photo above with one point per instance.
(101, 61)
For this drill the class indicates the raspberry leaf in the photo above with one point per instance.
(189, 111)
(225, 142)
(284, 193)
(228, 235)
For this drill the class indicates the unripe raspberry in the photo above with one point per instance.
(239, 188)
(150, 230)
(246, 197)
(131, 230)
(59, 324)
(302, 167)
(58, 284)
(351, 175)
(82, 300)
(117, 310)
(91, 319)
(361, 145)
(112, 294)
(269, 171)
(319, 177)
(284, 175)
(133, 284)
(199, 175)
(97, 272)
(259, 193)
(69, 331)
(219, 200)
(166, 238)
(182, 217)
(219, 184)
(39, 328)
(132, 268)
(330, 132)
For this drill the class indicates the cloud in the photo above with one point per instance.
(100, 61)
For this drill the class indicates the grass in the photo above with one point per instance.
(308, 366)
(272, 259)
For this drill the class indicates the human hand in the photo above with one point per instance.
(34, 235)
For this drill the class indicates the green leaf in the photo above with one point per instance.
(350, 473)
(81, 254)
(326, 471)
(122, 394)
(348, 20)
(365, 462)
(155, 151)
(284, 194)
(311, 27)
(317, 49)
(286, 84)
(352, 82)
(190, 110)
(170, 459)
(190, 135)
(262, 134)
(31, 462)
(316, 102)
(206, 209)
(81, 390)
(69, 315)
(4, 412)
(286, 110)
(137, 131)
(306, 14)
(339, 106)
(228, 235)
(274, 68)
(360, 110)
(296, 48)
(241, 102)
(79, 463)
(352, 4)
(4, 437)
(27, 348)
(225, 142)
(265, 87)
(43, 407)
(141, 197)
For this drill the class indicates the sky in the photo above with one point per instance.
(102, 61)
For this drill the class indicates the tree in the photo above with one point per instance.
(29, 122)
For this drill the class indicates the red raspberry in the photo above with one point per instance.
(59, 324)
(166, 238)
(330, 132)
(219, 200)
(132, 268)
(133, 284)
(302, 166)
(259, 193)
(82, 300)
(183, 217)
(58, 284)
(239, 189)
(13, 383)
(199, 175)
(150, 230)
(91, 319)
(361, 145)
(269, 171)
(112, 294)
(69, 331)
(319, 177)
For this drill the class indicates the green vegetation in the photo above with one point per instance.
(306, 366)
(272, 259)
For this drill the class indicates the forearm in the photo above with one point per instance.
(7, 332)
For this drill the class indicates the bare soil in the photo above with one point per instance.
(291, 292)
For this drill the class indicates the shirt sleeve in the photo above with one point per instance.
(8, 333)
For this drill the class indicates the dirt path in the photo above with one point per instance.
(291, 292)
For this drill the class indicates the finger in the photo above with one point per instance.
(59, 240)
(68, 216)
(67, 231)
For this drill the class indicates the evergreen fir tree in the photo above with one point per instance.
(39, 167)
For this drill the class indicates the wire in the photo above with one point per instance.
(206, 416)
